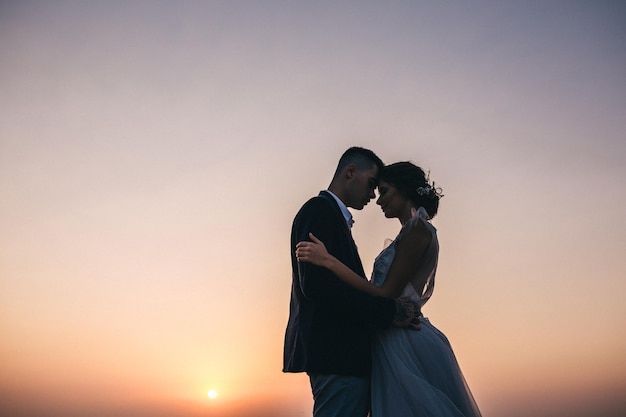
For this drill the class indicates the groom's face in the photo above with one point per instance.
(362, 188)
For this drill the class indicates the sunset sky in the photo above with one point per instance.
(153, 155)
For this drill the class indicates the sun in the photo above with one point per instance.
(212, 394)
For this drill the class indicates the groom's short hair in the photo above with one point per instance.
(361, 157)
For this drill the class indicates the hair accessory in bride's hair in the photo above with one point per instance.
(422, 191)
(429, 189)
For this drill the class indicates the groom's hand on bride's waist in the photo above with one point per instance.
(407, 314)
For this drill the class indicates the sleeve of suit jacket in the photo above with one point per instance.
(320, 285)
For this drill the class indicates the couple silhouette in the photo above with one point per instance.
(365, 345)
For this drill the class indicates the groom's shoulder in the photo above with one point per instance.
(321, 203)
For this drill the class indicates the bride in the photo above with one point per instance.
(414, 373)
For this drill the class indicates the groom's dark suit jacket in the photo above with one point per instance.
(329, 322)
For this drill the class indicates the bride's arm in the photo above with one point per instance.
(408, 253)
(315, 252)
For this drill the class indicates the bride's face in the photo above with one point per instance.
(391, 201)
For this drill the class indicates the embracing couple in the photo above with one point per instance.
(364, 344)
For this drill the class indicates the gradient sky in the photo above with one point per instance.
(154, 153)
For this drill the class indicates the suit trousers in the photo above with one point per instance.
(340, 395)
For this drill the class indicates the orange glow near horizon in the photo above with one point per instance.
(152, 160)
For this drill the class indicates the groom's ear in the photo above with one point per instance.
(350, 171)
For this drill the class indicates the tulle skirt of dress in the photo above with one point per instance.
(415, 374)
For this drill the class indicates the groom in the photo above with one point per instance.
(328, 333)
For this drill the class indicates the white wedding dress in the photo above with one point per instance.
(415, 373)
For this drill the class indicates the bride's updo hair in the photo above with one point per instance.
(414, 184)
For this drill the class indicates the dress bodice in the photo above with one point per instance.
(420, 286)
